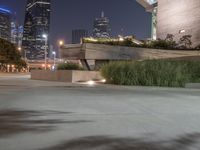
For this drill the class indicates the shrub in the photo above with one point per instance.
(166, 73)
(168, 43)
(69, 66)
(162, 44)
(185, 42)
(126, 41)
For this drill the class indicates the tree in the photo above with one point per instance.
(185, 41)
(169, 38)
(9, 55)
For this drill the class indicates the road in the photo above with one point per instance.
(39, 115)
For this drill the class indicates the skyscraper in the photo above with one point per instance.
(16, 34)
(5, 24)
(20, 35)
(78, 34)
(36, 24)
(101, 27)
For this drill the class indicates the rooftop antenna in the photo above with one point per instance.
(102, 14)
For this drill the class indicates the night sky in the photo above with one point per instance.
(72, 14)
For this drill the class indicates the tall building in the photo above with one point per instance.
(20, 35)
(5, 24)
(78, 34)
(16, 34)
(36, 24)
(177, 17)
(101, 27)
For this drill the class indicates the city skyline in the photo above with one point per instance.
(123, 16)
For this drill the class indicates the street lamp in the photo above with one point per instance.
(121, 38)
(19, 48)
(23, 53)
(45, 36)
(61, 42)
(54, 60)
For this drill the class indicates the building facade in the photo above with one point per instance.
(176, 17)
(16, 34)
(101, 27)
(179, 17)
(78, 34)
(36, 25)
(5, 24)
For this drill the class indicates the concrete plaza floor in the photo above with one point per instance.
(39, 115)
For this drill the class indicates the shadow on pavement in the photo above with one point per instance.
(17, 121)
(108, 143)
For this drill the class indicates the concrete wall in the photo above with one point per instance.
(176, 15)
(65, 75)
(72, 51)
(86, 76)
(106, 52)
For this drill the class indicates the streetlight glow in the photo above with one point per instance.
(91, 83)
(19, 48)
(61, 42)
(103, 80)
(121, 39)
(54, 53)
(44, 36)
(54, 60)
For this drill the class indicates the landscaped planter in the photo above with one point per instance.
(65, 75)
(193, 85)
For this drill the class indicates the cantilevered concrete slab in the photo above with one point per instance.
(101, 53)
(90, 51)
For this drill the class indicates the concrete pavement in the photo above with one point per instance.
(40, 115)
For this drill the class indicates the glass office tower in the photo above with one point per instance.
(5, 24)
(36, 24)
